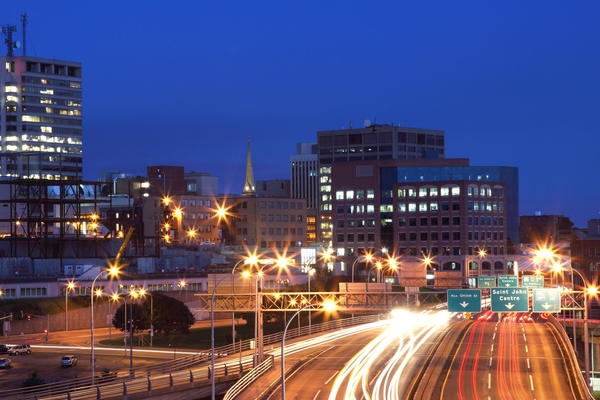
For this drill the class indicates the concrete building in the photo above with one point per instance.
(438, 208)
(305, 184)
(41, 135)
(373, 142)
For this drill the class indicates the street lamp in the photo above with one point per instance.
(112, 272)
(183, 286)
(367, 257)
(328, 306)
(212, 325)
(70, 286)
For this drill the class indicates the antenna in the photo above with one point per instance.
(7, 30)
(24, 21)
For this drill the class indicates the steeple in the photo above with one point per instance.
(249, 186)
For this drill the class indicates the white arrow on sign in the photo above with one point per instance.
(464, 304)
(510, 305)
(507, 284)
(546, 306)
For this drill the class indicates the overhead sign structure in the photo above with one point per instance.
(486, 281)
(464, 300)
(532, 281)
(508, 281)
(510, 299)
(546, 300)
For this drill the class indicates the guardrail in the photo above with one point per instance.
(582, 385)
(249, 378)
(111, 384)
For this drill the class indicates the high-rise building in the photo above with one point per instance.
(373, 142)
(40, 119)
(305, 184)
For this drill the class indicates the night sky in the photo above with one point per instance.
(186, 83)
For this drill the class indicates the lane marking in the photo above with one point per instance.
(317, 395)
(332, 376)
(531, 381)
(489, 380)
(490, 361)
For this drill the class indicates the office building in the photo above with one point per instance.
(41, 134)
(373, 142)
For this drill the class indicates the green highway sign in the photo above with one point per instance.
(510, 299)
(486, 281)
(532, 281)
(546, 300)
(464, 300)
(508, 281)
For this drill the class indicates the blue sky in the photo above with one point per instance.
(186, 83)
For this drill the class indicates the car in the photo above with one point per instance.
(20, 349)
(3, 349)
(68, 361)
(5, 363)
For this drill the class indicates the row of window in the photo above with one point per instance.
(196, 203)
(434, 221)
(446, 251)
(435, 236)
(355, 194)
(281, 205)
(450, 191)
(26, 292)
(275, 231)
(485, 206)
(281, 218)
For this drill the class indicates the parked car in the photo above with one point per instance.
(5, 363)
(20, 349)
(3, 349)
(68, 361)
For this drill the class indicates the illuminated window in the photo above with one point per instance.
(370, 208)
(401, 193)
(445, 191)
(360, 194)
(10, 88)
(11, 98)
(412, 193)
(433, 206)
(422, 206)
(350, 194)
(339, 195)
(455, 191)
(433, 192)
(412, 207)
(422, 192)
(370, 194)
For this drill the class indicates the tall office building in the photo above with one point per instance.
(40, 119)
(305, 183)
(373, 142)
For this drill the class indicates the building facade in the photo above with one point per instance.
(41, 134)
(442, 209)
(374, 142)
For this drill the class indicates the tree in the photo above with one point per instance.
(33, 380)
(140, 323)
(169, 315)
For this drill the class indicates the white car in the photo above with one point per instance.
(20, 349)
(68, 361)
(5, 363)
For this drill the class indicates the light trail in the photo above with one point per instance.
(406, 334)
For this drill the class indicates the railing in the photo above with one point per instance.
(111, 384)
(249, 378)
(582, 385)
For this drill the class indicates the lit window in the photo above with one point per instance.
(422, 192)
(370, 208)
(349, 194)
(339, 195)
(370, 194)
(422, 206)
(401, 207)
(386, 208)
(433, 206)
(445, 191)
(412, 193)
(412, 207)
(433, 192)
(455, 191)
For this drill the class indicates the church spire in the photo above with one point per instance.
(249, 186)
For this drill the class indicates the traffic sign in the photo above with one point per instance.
(508, 281)
(546, 300)
(532, 281)
(510, 299)
(486, 281)
(464, 300)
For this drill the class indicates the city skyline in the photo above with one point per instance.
(511, 84)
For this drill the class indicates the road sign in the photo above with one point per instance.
(508, 281)
(464, 300)
(486, 281)
(532, 281)
(546, 300)
(510, 299)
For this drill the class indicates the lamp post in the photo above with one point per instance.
(70, 286)
(309, 273)
(113, 271)
(212, 328)
(367, 257)
(586, 343)
(329, 306)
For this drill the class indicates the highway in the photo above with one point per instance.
(369, 366)
(514, 358)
